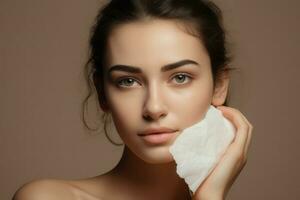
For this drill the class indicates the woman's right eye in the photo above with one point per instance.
(125, 82)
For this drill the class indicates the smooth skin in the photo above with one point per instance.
(175, 98)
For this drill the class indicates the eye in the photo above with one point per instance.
(181, 78)
(125, 82)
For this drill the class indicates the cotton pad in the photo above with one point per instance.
(199, 147)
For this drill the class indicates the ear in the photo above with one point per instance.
(221, 90)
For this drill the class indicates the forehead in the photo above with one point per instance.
(153, 42)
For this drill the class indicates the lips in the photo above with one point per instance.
(156, 130)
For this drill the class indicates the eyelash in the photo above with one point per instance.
(127, 78)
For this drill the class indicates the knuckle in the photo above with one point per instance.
(250, 128)
(244, 127)
(250, 125)
(236, 110)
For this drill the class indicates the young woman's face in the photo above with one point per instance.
(146, 94)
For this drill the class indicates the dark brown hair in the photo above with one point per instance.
(204, 17)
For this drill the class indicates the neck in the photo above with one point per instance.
(160, 180)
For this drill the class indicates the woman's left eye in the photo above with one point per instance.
(181, 78)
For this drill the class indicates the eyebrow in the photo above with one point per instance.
(134, 69)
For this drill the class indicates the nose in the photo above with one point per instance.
(154, 106)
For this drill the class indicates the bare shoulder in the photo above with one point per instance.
(53, 189)
(46, 189)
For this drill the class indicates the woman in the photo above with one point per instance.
(157, 67)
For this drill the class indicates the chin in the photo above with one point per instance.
(158, 155)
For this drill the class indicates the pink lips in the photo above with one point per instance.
(157, 135)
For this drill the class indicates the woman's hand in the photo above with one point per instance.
(218, 183)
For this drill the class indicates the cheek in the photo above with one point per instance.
(125, 110)
(191, 105)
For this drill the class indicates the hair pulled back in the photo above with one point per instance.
(203, 19)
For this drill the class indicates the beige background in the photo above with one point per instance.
(43, 46)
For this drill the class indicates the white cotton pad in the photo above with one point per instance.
(199, 147)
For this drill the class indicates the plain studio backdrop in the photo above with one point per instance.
(43, 47)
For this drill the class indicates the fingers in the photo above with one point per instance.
(249, 139)
(243, 134)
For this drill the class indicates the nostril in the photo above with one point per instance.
(153, 116)
(147, 118)
(154, 107)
